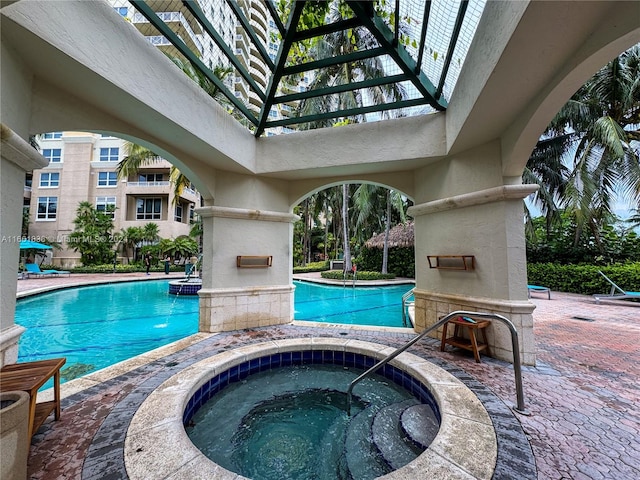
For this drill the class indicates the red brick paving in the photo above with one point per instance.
(583, 397)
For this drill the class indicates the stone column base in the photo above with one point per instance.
(225, 309)
(430, 307)
(9, 344)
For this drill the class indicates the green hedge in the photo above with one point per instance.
(401, 261)
(364, 275)
(584, 279)
(312, 267)
(120, 268)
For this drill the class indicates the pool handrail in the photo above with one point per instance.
(517, 368)
(405, 299)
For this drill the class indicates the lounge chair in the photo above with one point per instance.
(34, 269)
(616, 293)
(536, 288)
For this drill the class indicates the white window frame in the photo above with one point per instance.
(111, 179)
(109, 154)
(51, 135)
(148, 215)
(177, 217)
(50, 154)
(104, 202)
(47, 215)
(47, 183)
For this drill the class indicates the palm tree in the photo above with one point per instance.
(342, 43)
(151, 232)
(596, 134)
(378, 203)
(345, 227)
(129, 238)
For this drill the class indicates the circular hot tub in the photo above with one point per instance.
(157, 444)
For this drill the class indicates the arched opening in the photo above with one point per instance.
(338, 220)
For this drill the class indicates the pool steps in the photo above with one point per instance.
(395, 435)
(389, 438)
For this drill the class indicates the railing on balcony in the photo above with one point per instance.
(148, 184)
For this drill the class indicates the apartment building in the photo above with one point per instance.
(231, 33)
(82, 168)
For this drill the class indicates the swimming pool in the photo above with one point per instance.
(95, 327)
(377, 306)
(98, 326)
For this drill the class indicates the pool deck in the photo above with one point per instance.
(583, 396)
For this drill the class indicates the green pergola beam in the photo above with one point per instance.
(283, 53)
(384, 35)
(423, 34)
(327, 29)
(349, 112)
(195, 10)
(275, 16)
(373, 82)
(252, 34)
(337, 60)
(164, 29)
(452, 45)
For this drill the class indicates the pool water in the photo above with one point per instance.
(292, 423)
(95, 327)
(98, 326)
(377, 306)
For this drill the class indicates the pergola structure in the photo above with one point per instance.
(405, 38)
(76, 65)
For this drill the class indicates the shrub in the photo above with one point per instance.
(401, 261)
(364, 275)
(312, 267)
(584, 279)
(120, 268)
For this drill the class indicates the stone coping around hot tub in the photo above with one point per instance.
(158, 447)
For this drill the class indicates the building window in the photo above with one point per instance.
(54, 155)
(107, 179)
(148, 208)
(47, 208)
(109, 154)
(103, 204)
(49, 180)
(178, 215)
(51, 135)
(150, 177)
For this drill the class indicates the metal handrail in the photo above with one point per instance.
(406, 297)
(517, 368)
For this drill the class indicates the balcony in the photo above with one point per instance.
(190, 195)
(148, 188)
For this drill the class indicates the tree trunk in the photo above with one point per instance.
(345, 227)
(305, 236)
(387, 228)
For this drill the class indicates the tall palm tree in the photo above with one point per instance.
(342, 43)
(597, 135)
(379, 204)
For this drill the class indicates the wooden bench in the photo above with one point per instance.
(471, 343)
(29, 377)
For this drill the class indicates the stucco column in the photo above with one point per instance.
(235, 297)
(18, 157)
(488, 225)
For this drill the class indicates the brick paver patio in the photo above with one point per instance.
(583, 396)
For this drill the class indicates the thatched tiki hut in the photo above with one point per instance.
(399, 236)
(401, 252)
